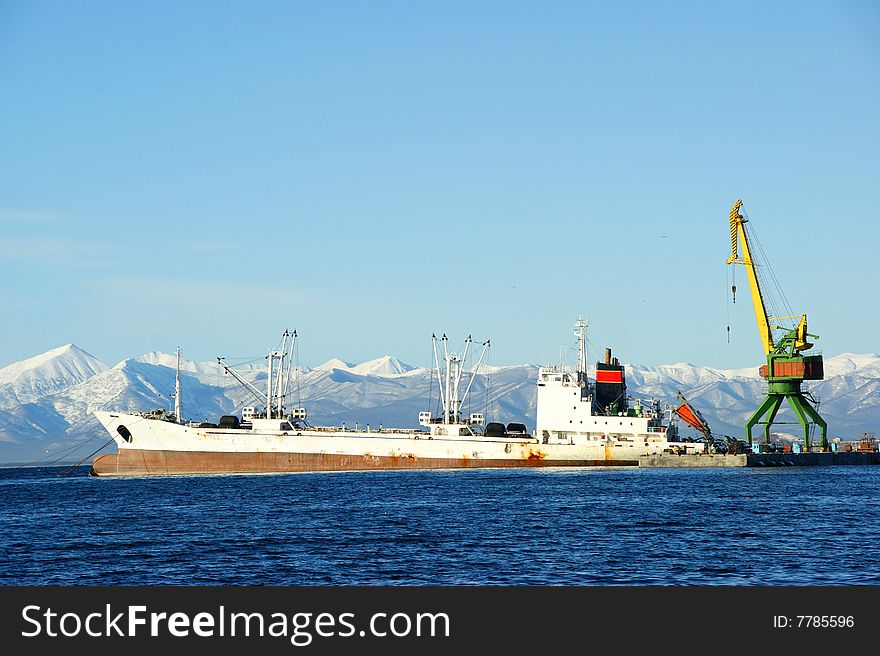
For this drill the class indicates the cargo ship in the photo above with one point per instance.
(580, 422)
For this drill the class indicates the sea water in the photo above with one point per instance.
(593, 526)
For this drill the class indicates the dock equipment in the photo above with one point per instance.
(692, 417)
(787, 366)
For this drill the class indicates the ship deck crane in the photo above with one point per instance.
(692, 417)
(787, 367)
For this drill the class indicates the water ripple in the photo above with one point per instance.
(801, 526)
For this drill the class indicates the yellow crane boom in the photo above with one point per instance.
(738, 234)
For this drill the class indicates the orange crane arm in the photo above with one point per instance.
(691, 416)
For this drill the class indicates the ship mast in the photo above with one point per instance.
(459, 361)
(437, 369)
(277, 381)
(448, 374)
(451, 381)
(580, 331)
(269, 386)
(177, 410)
(290, 358)
(280, 390)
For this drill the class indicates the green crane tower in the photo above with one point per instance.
(787, 367)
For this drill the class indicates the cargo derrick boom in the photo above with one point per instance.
(786, 366)
(692, 417)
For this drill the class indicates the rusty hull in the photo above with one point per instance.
(137, 462)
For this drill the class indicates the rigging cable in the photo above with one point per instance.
(229, 368)
(66, 451)
(770, 284)
(491, 410)
(78, 463)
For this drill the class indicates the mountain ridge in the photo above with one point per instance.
(46, 401)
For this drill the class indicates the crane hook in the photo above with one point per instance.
(733, 289)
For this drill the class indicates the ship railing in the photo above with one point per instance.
(362, 429)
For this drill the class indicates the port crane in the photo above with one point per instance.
(787, 365)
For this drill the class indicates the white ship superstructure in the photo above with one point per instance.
(572, 409)
(580, 422)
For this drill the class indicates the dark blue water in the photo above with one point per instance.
(794, 526)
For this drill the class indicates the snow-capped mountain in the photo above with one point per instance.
(46, 374)
(335, 363)
(46, 401)
(387, 365)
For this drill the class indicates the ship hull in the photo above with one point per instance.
(137, 462)
(148, 447)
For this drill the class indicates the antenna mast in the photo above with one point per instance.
(580, 331)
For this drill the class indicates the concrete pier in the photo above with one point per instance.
(693, 460)
(761, 460)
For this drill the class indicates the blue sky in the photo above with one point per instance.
(206, 174)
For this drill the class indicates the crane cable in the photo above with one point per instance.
(775, 295)
(730, 275)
